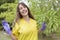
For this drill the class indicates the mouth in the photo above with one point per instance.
(25, 11)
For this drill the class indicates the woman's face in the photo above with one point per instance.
(23, 10)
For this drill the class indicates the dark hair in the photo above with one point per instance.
(18, 15)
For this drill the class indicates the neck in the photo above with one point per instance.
(26, 18)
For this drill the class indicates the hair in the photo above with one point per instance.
(18, 15)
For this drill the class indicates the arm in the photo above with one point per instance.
(13, 37)
(15, 33)
(7, 29)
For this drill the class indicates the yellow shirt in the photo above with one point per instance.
(25, 30)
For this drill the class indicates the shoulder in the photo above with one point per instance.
(34, 21)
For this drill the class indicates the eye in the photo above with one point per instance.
(24, 6)
(20, 8)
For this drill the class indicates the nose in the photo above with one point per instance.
(23, 9)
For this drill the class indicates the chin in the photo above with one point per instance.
(25, 15)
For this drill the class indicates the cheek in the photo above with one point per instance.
(20, 11)
(26, 10)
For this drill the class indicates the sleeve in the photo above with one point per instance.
(15, 30)
(36, 25)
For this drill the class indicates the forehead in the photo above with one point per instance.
(22, 5)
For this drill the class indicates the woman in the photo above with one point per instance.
(25, 27)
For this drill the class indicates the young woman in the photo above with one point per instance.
(25, 27)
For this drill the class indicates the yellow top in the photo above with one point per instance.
(25, 30)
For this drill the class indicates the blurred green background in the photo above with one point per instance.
(42, 10)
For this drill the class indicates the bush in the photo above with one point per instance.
(8, 11)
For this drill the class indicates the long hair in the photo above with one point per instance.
(18, 15)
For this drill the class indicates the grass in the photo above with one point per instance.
(4, 36)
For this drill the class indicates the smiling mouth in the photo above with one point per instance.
(24, 11)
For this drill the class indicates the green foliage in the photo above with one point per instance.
(48, 11)
(6, 1)
(43, 10)
(8, 11)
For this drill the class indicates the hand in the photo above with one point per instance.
(43, 26)
(6, 27)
